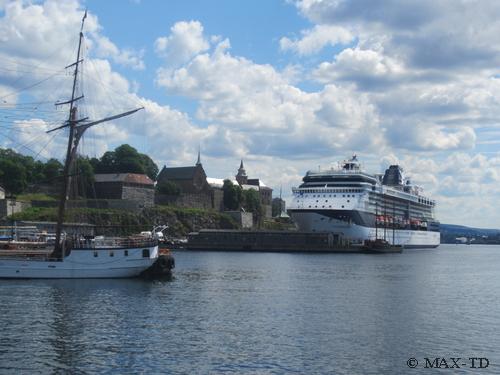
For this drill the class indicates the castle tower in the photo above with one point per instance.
(242, 177)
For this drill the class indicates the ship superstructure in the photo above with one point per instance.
(364, 206)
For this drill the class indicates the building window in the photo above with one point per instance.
(145, 253)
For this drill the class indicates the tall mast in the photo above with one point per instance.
(385, 218)
(76, 129)
(68, 162)
(393, 220)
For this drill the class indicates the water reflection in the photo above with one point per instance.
(258, 313)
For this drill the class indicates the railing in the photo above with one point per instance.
(114, 242)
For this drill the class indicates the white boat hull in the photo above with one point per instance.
(82, 264)
(314, 222)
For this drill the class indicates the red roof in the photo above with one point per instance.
(133, 178)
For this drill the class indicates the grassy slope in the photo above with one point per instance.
(180, 221)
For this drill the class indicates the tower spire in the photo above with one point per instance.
(198, 162)
(241, 177)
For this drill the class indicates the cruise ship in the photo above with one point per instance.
(361, 206)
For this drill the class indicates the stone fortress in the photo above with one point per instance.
(134, 192)
(199, 191)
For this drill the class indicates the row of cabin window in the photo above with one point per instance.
(334, 195)
(335, 191)
(326, 200)
(324, 206)
(145, 253)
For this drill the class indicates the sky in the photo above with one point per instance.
(287, 86)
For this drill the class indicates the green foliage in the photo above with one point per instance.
(168, 188)
(52, 170)
(18, 172)
(233, 195)
(84, 177)
(276, 206)
(180, 221)
(251, 203)
(34, 197)
(125, 159)
(13, 176)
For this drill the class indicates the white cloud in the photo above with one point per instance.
(53, 27)
(365, 67)
(264, 113)
(383, 96)
(105, 48)
(317, 38)
(185, 41)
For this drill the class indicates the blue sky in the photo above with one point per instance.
(285, 85)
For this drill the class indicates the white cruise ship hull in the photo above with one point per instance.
(315, 222)
(82, 264)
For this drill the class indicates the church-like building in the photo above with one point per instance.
(199, 191)
(195, 191)
(265, 192)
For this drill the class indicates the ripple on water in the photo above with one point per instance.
(260, 314)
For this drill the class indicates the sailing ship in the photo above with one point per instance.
(111, 257)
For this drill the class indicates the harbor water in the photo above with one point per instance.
(264, 313)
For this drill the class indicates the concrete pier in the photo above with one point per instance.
(271, 241)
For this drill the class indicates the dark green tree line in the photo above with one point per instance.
(19, 172)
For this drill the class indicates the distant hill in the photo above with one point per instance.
(450, 232)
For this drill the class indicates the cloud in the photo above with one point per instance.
(263, 113)
(369, 69)
(126, 57)
(317, 38)
(419, 30)
(185, 41)
(430, 137)
(382, 95)
(53, 27)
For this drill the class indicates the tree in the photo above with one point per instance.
(125, 159)
(232, 195)
(52, 169)
(168, 188)
(251, 203)
(84, 177)
(277, 206)
(150, 167)
(13, 176)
